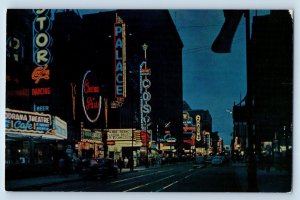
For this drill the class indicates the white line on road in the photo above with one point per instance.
(149, 183)
(187, 176)
(167, 186)
(126, 179)
(176, 181)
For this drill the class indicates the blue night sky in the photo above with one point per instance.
(211, 81)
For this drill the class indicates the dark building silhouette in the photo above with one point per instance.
(272, 73)
(270, 80)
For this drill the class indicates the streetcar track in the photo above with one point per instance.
(149, 183)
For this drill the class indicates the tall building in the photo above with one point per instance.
(270, 84)
(197, 131)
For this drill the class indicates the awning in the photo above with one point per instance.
(31, 136)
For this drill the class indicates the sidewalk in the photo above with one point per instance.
(23, 184)
(272, 181)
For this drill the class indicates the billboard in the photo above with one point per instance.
(119, 134)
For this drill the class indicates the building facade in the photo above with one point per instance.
(269, 101)
(67, 65)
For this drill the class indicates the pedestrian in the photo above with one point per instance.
(61, 166)
(268, 162)
(125, 162)
(130, 163)
(120, 163)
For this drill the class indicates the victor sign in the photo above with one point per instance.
(41, 43)
(91, 97)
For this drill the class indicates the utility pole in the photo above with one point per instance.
(252, 172)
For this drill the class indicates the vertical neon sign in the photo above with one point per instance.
(198, 128)
(120, 58)
(145, 84)
(41, 43)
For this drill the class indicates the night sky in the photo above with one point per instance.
(211, 81)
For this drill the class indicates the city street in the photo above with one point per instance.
(171, 178)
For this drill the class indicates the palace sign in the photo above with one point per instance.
(120, 58)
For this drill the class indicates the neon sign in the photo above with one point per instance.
(40, 73)
(120, 58)
(41, 43)
(13, 48)
(91, 98)
(145, 84)
(28, 122)
(40, 91)
(198, 136)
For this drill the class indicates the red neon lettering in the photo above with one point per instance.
(91, 103)
(40, 91)
(90, 89)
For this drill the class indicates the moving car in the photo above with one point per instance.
(107, 168)
(217, 160)
(93, 169)
(208, 159)
(199, 162)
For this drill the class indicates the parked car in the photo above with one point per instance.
(217, 161)
(93, 169)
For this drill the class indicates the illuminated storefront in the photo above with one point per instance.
(124, 143)
(91, 145)
(32, 139)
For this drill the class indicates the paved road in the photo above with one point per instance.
(172, 178)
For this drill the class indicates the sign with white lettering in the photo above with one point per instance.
(60, 127)
(145, 84)
(87, 134)
(91, 98)
(28, 122)
(119, 134)
(14, 48)
(41, 39)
